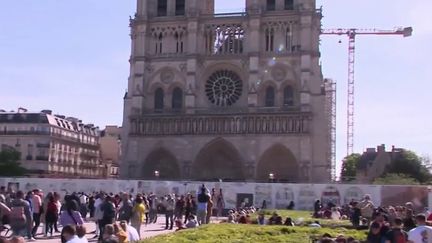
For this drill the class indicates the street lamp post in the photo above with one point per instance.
(156, 174)
(271, 177)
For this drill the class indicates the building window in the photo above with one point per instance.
(162, 7)
(30, 148)
(180, 7)
(270, 97)
(269, 39)
(289, 4)
(288, 39)
(271, 5)
(158, 48)
(179, 42)
(288, 96)
(177, 99)
(159, 99)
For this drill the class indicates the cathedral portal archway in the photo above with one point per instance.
(162, 161)
(219, 159)
(279, 161)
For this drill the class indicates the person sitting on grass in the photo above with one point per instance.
(192, 223)
(261, 218)
(273, 218)
(315, 224)
(231, 217)
(179, 225)
(278, 220)
(288, 222)
(335, 214)
(243, 219)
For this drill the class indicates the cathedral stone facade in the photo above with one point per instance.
(234, 97)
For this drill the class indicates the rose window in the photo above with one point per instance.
(223, 88)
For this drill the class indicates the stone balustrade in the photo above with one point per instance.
(220, 124)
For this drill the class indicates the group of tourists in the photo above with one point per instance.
(118, 217)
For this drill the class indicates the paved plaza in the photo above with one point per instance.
(146, 231)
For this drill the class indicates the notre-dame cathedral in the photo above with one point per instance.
(232, 97)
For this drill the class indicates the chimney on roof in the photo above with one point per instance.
(48, 112)
(370, 150)
(381, 148)
(22, 110)
(72, 119)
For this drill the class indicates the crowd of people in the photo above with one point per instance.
(118, 218)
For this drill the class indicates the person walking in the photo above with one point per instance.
(108, 214)
(71, 215)
(203, 199)
(21, 216)
(169, 212)
(51, 215)
(37, 210)
(188, 207)
(138, 214)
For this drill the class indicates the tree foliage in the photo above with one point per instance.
(349, 167)
(395, 179)
(409, 164)
(9, 165)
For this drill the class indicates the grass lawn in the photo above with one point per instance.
(228, 233)
(225, 232)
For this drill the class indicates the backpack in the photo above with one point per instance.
(203, 198)
(399, 236)
(52, 208)
(17, 214)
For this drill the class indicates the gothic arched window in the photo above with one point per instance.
(269, 39)
(288, 96)
(159, 100)
(270, 97)
(177, 99)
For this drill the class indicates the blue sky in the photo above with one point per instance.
(72, 57)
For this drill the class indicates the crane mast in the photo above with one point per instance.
(352, 33)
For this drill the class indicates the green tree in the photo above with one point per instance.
(408, 163)
(395, 179)
(9, 165)
(349, 167)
